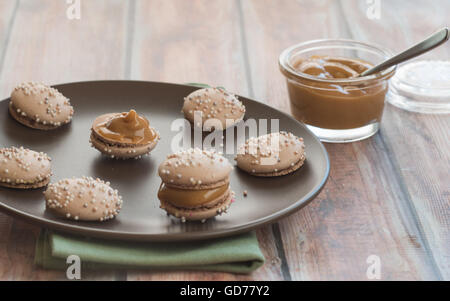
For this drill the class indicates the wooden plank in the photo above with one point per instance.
(59, 50)
(401, 24)
(189, 41)
(358, 213)
(195, 41)
(417, 143)
(44, 45)
(293, 22)
(8, 10)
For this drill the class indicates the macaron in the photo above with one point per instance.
(83, 199)
(216, 109)
(195, 185)
(271, 155)
(22, 168)
(123, 135)
(41, 107)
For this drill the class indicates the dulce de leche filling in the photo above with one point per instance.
(184, 198)
(335, 105)
(127, 128)
(332, 67)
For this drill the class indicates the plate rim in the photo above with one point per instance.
(182, 236)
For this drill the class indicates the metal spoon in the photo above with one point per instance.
(431, 42)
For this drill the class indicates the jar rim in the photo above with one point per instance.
(284, 61)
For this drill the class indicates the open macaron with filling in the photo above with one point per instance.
(126, 135)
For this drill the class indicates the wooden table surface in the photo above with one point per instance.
(387, 196)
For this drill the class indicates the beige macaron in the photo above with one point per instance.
(213, 109)
(195, 184)
(22, 168)
(39, 106)
(271, 155)
(83, 199)
(116, 145)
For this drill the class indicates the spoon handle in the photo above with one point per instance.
(431, 42)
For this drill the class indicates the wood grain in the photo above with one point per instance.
(417, 144)
(362, 210)
(8, 12)
(189, 41)
(58, 49)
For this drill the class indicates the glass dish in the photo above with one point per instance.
(422, 86)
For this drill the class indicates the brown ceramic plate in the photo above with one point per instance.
(268, 200)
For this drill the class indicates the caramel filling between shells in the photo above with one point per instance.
(184, 198)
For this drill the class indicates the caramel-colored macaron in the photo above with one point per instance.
(218, 109)
(22, 168)
(195, 184)
(123, 135)
(271, 155)
(83, 199)
(39, 106)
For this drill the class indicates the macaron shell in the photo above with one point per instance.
(119, 151)
(282, 172)
(199, 214)
(24, 168)
(214, 103)
(258, 156)
(195, 169)
(37, 185)
(83, 199)
(29, 122)
(40, 106)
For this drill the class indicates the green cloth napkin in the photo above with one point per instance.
(237, 254)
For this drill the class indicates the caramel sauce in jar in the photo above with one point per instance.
(332, 67)
(184, 198)
(127, 128)
(330, 102)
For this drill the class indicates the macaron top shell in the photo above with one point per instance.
(41, 103)
(214, 103)
(84, 199)
(261, 155)
(23, 166)
(195, 169)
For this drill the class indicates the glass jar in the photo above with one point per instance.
(337, 110)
